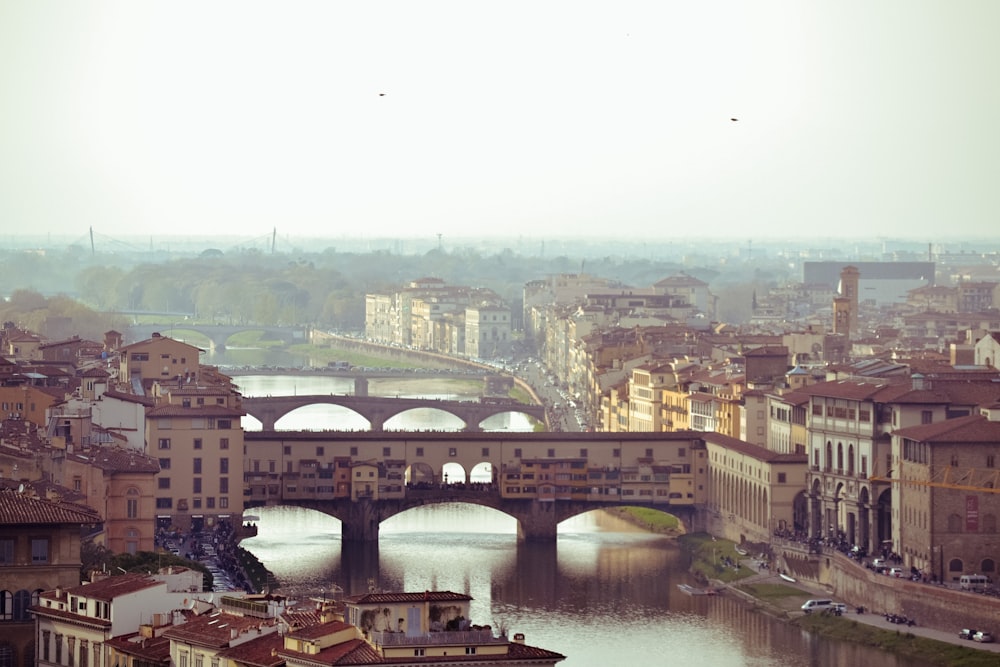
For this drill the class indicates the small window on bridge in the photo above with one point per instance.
(420, 451)
(486, 451)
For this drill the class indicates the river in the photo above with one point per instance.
(604, 594)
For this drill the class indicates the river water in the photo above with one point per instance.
(604, 594)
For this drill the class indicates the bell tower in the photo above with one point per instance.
(845, 306)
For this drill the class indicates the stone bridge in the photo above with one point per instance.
(536, 520)
(378, 410)
(218, 334)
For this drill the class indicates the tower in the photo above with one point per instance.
(845, 306)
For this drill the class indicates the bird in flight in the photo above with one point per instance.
(734, 119)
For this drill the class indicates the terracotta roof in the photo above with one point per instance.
(970, 429)
(319, 629)
(18, 509)
(119, 459)
(107, 589)
(261, 652)
(754, 451)
(171, 410)
(428, 596)
(215, 628)
(146, 649)
(351, 652)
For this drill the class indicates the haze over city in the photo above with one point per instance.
(650, 120)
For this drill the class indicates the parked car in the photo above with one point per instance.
(966, 633)
(895, 572)
(879, 564)
(983, 636)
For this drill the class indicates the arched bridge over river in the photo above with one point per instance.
(378, 410)
(541, 479)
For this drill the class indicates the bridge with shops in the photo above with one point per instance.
(378, 410)
(364, 478)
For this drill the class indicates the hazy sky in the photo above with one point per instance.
(855, 117)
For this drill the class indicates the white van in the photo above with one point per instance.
(973, 582)
(816, 605)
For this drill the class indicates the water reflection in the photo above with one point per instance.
(603, 594)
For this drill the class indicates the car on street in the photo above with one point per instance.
(966, 633)
(983, 636)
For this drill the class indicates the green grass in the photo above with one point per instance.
(898, 642)
(708, 556)
(652, 520)
(771, 591)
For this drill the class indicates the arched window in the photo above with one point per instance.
(6, 606)
(988, 565)
(840, 457)
(955, 565)
(829, 456)
(850, 459)
(22, 601)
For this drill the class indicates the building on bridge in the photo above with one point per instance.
(334, 472)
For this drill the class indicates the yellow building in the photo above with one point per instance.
(197, 437)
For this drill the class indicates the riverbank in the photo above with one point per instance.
(767, 592)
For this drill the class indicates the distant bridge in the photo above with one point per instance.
(378, 410)
(218, 334)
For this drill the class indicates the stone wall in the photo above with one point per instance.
(930, 605)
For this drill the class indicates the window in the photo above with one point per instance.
(164, 443)
(583, 452)
(223, 502)
(616, 452)
(210, 502)
(420, 451)
(196, 486)
(39, 550)
(224, 424)
(164, 503)
(926, 416)
(782, 477)
(197, 443)
(6, 551)
(486, 451)
(354, 451)
(196, 463)
(551, 452)
(320, 450)
(164, 464)
(163, 482)
(286, 450)
(223, 485)
(387, 451)
(132, 503)
(223, 443)
(470, 650)
(517, 452)
(196, 503)
(224, 466)
(682, 452)
(990, 461)
(452, 451)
